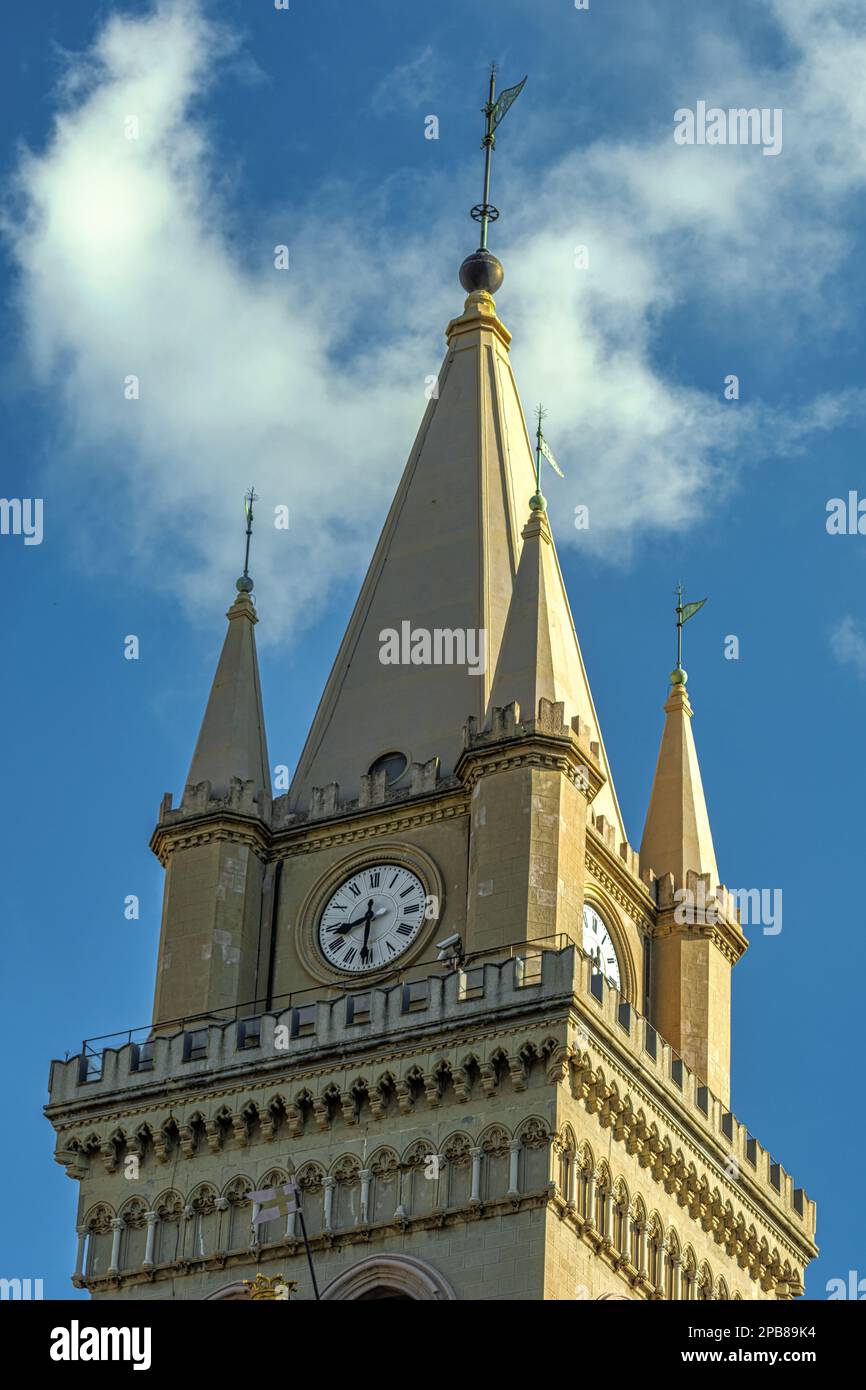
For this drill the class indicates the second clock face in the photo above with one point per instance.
(597, 943)
(372, 918)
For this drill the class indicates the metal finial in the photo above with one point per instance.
(542, 448)
(482, 271)
(245, 584)
(684, 611)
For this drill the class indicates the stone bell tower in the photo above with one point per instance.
(538, 1108)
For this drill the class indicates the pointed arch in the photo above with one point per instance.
(99, 1239)
(134, 1236)
(390, 1277)
(168, 1241)
(346, 1199)
(495, 1145)
(384, 1166)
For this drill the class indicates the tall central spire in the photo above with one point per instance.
(455, 564)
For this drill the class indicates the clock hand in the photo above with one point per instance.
(368, 920)
(359, 921)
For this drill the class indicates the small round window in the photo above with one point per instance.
(392, 764)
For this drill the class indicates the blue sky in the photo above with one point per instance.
(154, 257)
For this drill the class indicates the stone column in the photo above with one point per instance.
(81, 1232)
(118, 1225)
(151, 1218)
(590, 1200)
(514, 1148)
(475, 1193)
(365, 1175)
(608, 1217)
(642, 1251)
(571, 1181)
(402, 1178)
(677, 1280)
(329, 1184)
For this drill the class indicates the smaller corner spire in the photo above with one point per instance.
(677, 838)
(482, 272)
(232, 742)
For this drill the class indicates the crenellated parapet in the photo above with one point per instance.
(508, 740)
(699, 907)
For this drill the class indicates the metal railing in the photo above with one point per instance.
(252, 1008)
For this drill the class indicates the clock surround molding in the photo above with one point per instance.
(397, 852)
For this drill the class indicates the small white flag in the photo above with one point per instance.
(548, 454)
(274, 1202)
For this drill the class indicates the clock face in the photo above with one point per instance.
(372, 918)
(597, 943)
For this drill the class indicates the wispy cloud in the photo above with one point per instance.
(250, 375)
(408, 84)
(848, 644)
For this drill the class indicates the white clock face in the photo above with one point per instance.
(372, 918)
(597, 943)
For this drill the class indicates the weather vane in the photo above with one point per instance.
(481, 270)
(684, 612)
(245, 584)
(537, 503)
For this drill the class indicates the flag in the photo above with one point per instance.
(689, 610)
(547, 451)
(274, 1202)
(506, 98)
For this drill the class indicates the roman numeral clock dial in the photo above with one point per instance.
(598, 944)
(372, 918)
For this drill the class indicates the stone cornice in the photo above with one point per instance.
(209, 827)
(389, 819)
(538, 751)
(725, 936)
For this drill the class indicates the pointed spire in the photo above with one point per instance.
(445, 562)
(232, 740)
(540, 656)
(677, 836)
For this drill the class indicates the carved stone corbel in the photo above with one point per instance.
(320, 1111)
(349, 1107)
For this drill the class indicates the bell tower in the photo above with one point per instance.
(407, 1000)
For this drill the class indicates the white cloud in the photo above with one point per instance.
(848, 644)
(409, 84)
(248, 375)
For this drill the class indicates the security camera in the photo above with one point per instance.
(450, 951)
(449, 942)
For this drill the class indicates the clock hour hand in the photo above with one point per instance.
(358, 922)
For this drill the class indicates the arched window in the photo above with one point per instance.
(168, 1242)
(392, 764)
(99, 1241)
(134, 1238)
(385, 1169)
(398, 1277)
(203, 1230)
(347, 1194)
